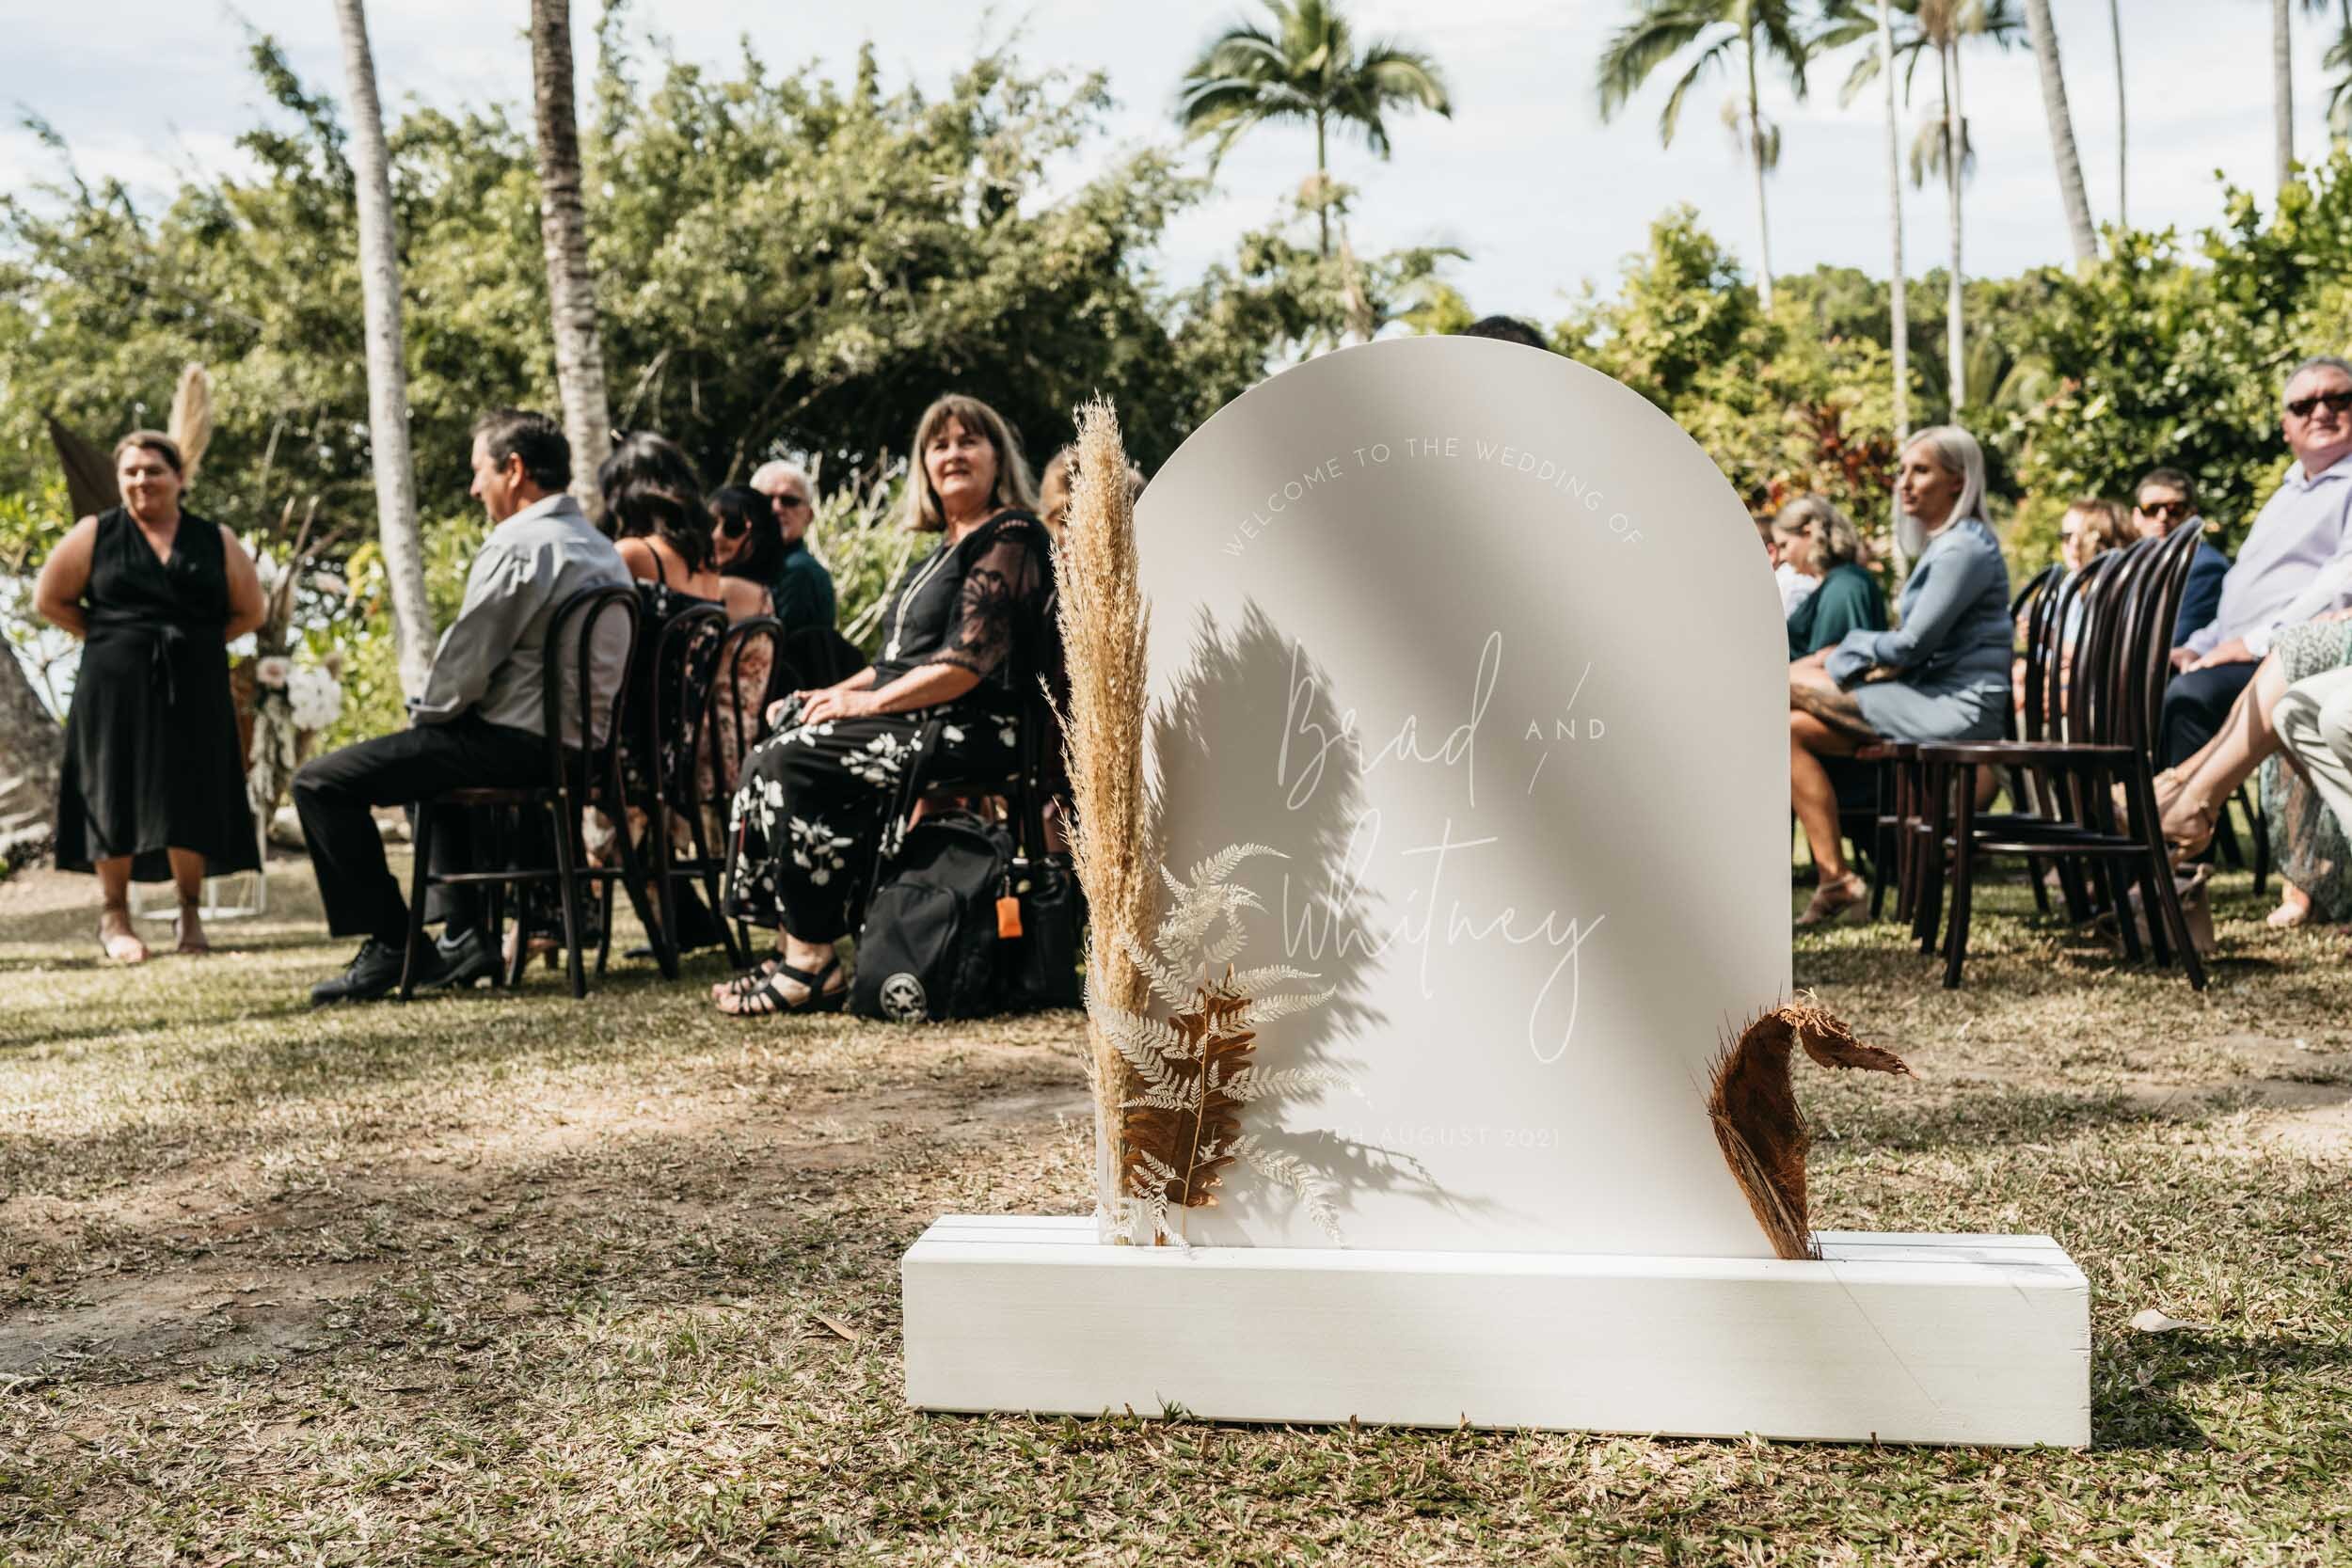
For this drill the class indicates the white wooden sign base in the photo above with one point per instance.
(1963, 1339)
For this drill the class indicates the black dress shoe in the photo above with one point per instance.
(374, 971)
(457, 966)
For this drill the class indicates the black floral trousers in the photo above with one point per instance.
(819, 802)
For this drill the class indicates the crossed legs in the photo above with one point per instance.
(1823, 721)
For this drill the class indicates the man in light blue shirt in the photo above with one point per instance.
(479, 721)
(2295, 563)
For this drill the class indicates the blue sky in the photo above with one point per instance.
(1525, 177)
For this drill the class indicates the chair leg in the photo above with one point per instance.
(567, 884)
(1928, 919)
(634, 875)
(1906, 845)
(420, 884)
(665, 940)
(1964, 873)
(2159, 864)
(2099, 815)
(708, 869)
(2258, 827)
(604, 937)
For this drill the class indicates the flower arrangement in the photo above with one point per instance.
(292, 701)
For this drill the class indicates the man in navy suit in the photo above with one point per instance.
(2166, 499)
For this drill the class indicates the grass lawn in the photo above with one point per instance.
(505, 1279)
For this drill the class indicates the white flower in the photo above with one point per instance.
(272, 672)
(315, 697)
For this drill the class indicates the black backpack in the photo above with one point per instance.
(927, 947)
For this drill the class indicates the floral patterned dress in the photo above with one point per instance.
(2307, 845)
(818, 802)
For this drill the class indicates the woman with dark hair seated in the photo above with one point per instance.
(820, 797)
(663, 532)
(1942, 676)
(749, 546)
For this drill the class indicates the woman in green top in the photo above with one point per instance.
(1816, 539)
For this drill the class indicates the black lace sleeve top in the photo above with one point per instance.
(977, 603)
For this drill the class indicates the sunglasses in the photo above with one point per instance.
(789, 500)
(732, 528)
(2164, 509)
(2337, 402)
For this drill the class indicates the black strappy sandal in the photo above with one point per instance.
(767, 999)
(750, 980)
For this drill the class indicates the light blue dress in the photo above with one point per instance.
(1951, 651)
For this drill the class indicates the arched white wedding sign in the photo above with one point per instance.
(1485, 646)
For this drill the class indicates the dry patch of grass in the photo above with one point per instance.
(503, 1279)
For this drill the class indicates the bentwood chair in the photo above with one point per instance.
(577, 778)
(2111, 687)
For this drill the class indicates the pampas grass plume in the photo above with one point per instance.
(190, 426)
(1104, 624)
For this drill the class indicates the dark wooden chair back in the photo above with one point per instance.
(580, 774)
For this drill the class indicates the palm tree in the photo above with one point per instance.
(2069, 165)
(1305, 69)
(564, 233)
(2122, 125)
(1898, 324)
(387, 371)
(2282, 88)
(1717, 34)
(1939, 27)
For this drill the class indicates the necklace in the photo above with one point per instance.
(899, 619)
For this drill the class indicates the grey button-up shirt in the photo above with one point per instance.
(2296, 564)
(491, 657)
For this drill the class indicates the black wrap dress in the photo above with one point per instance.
(150, 742)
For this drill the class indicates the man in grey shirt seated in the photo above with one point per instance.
(479, 722)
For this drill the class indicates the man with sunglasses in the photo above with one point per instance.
(2296, 561)
(2166, 499)
(803, 589)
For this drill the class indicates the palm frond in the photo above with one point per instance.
(1639, 49)
(1672, 114)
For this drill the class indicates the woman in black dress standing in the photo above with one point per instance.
(152, 787)
(819, 796)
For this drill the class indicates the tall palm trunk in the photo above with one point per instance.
(32, 749)
(1756, 167)
(2070, 166)
(563, 232)
(1955, 326)
(387, 370)
(2282, 88)
(1323, 194)
(1898, 327)
(2122, 120)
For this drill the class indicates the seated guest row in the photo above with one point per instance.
(2249, 634)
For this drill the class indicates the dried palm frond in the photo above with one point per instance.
(1104, 628)
(1754, 1107)
(190, 426)
(1179, 1130)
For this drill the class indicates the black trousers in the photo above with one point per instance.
(334, 794)
(2194, 706)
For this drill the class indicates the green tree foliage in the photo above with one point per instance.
(787, 263)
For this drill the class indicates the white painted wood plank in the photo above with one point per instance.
(1902, 1347)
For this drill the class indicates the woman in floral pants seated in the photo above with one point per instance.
(819, 796)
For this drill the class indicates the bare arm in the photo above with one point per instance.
(925, 686)
(246, 606)
(65, 578)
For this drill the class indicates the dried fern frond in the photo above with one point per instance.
(1752, 1106)
(1105, 627)
(1179, 1131)
(190, 426)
